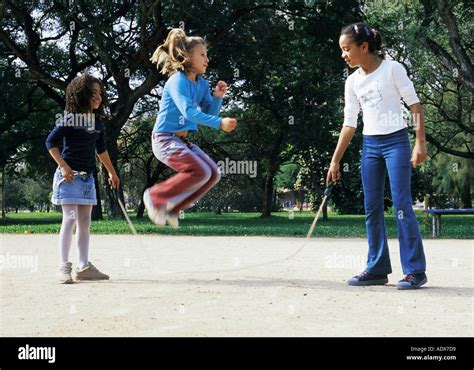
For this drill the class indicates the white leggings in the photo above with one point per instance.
(79, 215)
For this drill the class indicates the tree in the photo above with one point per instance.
(58, 41)
(14, 195)
(433, 40)
(281, 59)
(455, 17)
(288, 75)
(414, 32)
(25, 118)
(454, 177)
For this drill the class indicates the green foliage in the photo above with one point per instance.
(282, 62)
(453, 179)
(27, 193)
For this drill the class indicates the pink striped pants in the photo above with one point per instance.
(196, 172)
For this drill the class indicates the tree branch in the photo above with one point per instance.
(444, 149)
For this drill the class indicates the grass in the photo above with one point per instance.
(241, 224)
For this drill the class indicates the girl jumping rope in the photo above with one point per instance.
(186, 102)
(82, 134)
(376, 87)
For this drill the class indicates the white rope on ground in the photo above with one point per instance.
(327, 193)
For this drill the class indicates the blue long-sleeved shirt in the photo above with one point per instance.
(80, 144)
(186, 104)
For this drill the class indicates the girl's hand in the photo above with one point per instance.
(67, 173)
(333, 173)
(228, 124)
(419, 155)
(114, 180)
(221, 89)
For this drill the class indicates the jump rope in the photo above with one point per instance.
(326, 195)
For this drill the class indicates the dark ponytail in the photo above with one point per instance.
(360, 32)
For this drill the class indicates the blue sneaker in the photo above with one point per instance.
(412, 281)
(366, 278)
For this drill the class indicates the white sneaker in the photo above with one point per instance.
(156, 215)
(65, 270)
(172, 220)
(90, 272)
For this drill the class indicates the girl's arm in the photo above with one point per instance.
(66, 171)
(114, 180)
(54, 152)
(420, 153)
(345, 138)
(407, 92)
(52, 142)
(179, 94)
(351, 112)
(212, 104)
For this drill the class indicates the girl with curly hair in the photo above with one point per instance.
(81, 132)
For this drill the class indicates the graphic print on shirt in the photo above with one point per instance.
(371, 98)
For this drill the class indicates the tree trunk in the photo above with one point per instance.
(114, 211)
(268, 195)
(97, 209)
(141, 206)
(465, 194)
(274, 200)
(112, 133)
(2, 191)
(267, 205)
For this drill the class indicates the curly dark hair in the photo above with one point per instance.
(79, 94)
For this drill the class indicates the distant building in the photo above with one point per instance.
(289, 200)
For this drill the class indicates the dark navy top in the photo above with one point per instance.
(81, 139)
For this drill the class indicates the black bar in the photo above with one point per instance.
(293, 353)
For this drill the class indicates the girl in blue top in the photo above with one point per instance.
(186, 103)
(376, 87)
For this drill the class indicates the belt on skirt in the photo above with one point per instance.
(83, 175)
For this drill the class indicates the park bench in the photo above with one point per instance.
(436, 215)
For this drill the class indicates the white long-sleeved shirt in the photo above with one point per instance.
(378, 94)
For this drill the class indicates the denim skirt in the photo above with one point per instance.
(80, 191)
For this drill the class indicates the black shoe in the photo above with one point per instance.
(412, 281)
(366, 278)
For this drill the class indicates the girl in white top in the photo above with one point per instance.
(378, 86)
(378, 93)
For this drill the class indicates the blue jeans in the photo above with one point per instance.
(381, 153)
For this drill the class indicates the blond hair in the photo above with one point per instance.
(173, 55)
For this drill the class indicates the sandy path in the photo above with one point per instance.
(161, 286)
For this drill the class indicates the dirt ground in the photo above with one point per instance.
(230, 286)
